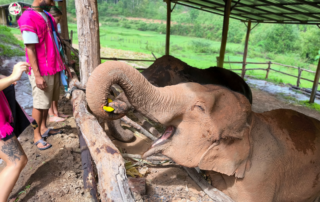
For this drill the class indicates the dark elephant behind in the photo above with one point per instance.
(168, 70)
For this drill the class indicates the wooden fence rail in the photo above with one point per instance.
(300, 70)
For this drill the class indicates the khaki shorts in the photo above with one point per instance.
(42, 99)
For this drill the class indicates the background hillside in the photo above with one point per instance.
(139, 26)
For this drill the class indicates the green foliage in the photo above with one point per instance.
(277, 38)
(9, 45)
(310, 43)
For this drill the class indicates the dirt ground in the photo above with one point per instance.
(56, 174)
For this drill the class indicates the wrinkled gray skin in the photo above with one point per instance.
(266, 157)
(168, 70)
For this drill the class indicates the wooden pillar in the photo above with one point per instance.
(224, 32)
(88, 37)
(64, 26)
(315, 84)
(245, 53)
(4, 20)
(168, 27)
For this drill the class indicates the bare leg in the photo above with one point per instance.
(12, 153)
(37, 114)
(53, 113)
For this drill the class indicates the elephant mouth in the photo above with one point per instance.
(164, 137)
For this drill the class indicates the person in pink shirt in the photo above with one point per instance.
(10, 149)
(46, 64)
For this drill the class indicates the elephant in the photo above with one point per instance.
(267, 157)
(168, 70)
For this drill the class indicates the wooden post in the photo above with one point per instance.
(268, 69)
(71, 37)
(4, 20)
(299, 75)
(246, 49)
(168, 27)
(88, 37)
(224, 32)
(315, 84)
(64, 26)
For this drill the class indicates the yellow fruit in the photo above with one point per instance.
(108, 109)
(109, 100)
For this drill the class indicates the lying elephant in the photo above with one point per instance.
(266, 157)
(168, 70)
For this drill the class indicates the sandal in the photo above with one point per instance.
(43, 143)
(47, 133)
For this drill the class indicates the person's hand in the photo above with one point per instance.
(18, 70)
(69, 72)
(41, 83)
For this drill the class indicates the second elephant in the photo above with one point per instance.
(168, 70)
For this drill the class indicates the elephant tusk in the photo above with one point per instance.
(108, 109)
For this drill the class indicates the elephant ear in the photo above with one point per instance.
(229, 156)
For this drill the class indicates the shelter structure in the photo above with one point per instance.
(257, 11)
(110, 167)
(6, 19)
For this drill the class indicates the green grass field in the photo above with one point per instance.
(197, 52)
(189, 49)
(9, 45)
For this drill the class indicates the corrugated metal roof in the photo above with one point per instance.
(263, 11)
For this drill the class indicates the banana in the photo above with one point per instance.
(109, 100)
(108, 109)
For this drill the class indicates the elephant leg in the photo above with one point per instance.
(116, 131)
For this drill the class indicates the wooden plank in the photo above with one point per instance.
(127, 59)
(246, 49)
(88, 37)
(293, 67)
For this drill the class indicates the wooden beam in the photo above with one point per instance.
(315, 84)
(113, 182)
(168, 27)
(224, 32)
(245, 53)
(64, 25)
(89, 181)
(200, 9)
(88, 37)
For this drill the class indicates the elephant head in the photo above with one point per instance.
(206, 125)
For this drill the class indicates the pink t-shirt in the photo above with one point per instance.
(48, 57)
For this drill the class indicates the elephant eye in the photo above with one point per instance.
(200, 107)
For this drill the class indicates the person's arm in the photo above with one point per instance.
(16, 74)
(31, 51)
(3, 76)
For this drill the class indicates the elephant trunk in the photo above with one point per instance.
(142, 95)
